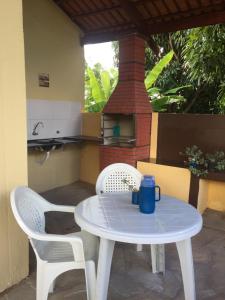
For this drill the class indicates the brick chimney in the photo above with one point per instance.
(129, 104)
(130, 95)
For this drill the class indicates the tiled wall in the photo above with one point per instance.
(59, 118)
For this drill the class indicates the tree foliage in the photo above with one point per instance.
(203, 52)
(198, 61)
(192, 80)
(100, 84)
(155, 72)
(162, 99)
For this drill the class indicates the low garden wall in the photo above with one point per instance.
(171, 134)
(177, 131)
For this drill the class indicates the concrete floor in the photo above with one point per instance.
(131, 276)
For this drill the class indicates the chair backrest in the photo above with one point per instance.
(112, 178)
(28, 208)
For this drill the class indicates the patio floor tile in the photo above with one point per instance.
(131, 276)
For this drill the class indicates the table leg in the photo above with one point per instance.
(139, 247)
(187, 268)
(158, 258)
(104, 266)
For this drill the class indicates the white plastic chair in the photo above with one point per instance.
(55, 254)
(111, 180)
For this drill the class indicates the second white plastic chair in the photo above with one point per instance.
(110, 180)
(55, 254)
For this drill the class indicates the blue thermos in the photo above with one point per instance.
(147, 195)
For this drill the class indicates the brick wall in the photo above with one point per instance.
(143, 129)
(110, 155)
(130, 97)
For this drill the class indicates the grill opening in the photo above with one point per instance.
(118, 130)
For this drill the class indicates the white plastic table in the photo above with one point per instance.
(112, 217)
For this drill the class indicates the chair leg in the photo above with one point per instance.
(139, 247)
(90, 277)
(43, 283)
(158, 258)
(52, 286)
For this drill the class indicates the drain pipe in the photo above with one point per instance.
(46, 155)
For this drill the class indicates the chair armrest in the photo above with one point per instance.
(75, 242)
(56, 237)
(62, 208)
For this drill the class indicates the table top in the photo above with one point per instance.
(113, 216)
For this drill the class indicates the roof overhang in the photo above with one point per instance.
(108, 20)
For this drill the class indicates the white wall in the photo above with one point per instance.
(59, 118)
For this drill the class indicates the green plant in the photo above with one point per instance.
(161, 100)
(153, 75)
(99, 85)
(195, 161)
(200, 164)
(216, 161)
(221, 98)
(198, 61)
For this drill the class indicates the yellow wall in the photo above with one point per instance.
(175, 182)
(154, 136)
(62, 168)
(91, 124)
(13, 156)
(203, 195)
(89, 162)
(216, 195)
(52, 45)
(172, 181)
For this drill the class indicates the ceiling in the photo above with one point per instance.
(107, 20)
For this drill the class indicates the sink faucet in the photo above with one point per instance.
(35, 129)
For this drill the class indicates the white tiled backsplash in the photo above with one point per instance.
(60, 118)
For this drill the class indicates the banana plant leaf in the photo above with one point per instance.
(153, 91)
(96, 90)
(95, 107)
(106, 85)
(175, 99)
(178, 89)
(153, 75)
(159, 105)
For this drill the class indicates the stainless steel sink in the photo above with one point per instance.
(48, 141)
(46, 144)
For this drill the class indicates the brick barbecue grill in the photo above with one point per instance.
(126, 120)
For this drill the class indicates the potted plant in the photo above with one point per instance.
(216, 161)
(201, 164)
(195, 161)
